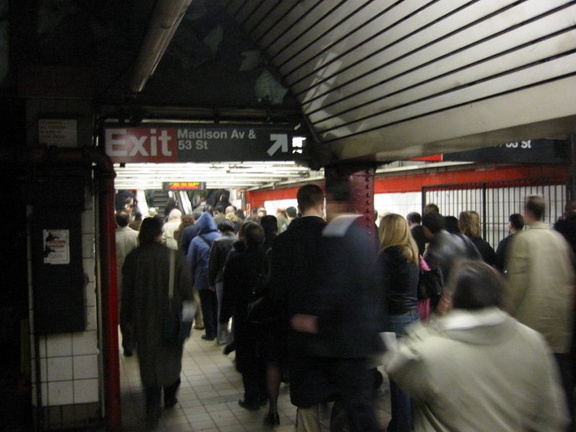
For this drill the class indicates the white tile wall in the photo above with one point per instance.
(272, 206)
(58, 345)
(85, 343)
(85, 391)
(85, 366)
(59, 368)
(69, 372)
(400, 203)
(60, 393)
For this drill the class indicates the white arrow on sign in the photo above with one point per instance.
(280, 142)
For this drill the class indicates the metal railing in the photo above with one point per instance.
(495, 201)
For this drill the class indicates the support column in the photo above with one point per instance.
(358, 176)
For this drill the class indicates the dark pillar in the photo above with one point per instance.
(359, 176)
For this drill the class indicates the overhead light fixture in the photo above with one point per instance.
(165, 20)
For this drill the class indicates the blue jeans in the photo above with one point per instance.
(401, 404)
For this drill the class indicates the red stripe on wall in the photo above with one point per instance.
(415, 182)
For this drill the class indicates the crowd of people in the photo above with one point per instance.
(490, 347)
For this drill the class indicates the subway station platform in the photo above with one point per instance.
(209, 394)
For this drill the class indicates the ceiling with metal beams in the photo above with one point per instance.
(379, 80)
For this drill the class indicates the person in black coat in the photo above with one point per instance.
(344, 313)
(444, 248)
(515, 225)
(295, 268)
(240, 277)
(415, 224)
(218, 254)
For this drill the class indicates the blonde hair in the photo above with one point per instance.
(232, 217)
(469, 223)
(394, 231)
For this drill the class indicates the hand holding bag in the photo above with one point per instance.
(431, 281)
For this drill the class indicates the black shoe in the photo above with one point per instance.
(250, 406)
(272, 419)
(208, 338)
(128, 353)
(228, 349)
(170, 403)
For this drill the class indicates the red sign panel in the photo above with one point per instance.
(130, 145)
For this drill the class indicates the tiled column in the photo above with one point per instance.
(68, 365)
(359, 177)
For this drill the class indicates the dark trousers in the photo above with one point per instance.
(153, 398)
(354, 382)
(209, 304)
(565, 367)
(254, 380)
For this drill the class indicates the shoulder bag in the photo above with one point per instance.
(176, 329)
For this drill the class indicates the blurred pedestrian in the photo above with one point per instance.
(476, 368)
(541, 287)
(145, 298)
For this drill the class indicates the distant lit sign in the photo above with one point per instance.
(199, 143)
(172, 186)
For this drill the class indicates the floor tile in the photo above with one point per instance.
(208, 397)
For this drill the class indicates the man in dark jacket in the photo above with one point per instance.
(444, 247)
(515, 225)
(294, 272)
(415, 223)
(341, 317)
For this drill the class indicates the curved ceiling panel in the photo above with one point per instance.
(394, 79)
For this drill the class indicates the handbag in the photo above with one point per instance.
(176, 330)
(430, 282)
(262, 310)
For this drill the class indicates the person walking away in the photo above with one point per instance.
(198, 258)
(415, 223)
(126, 241)
(145, 297)
(541, 287)
(444, 248)
(240, 277)
(469, 224)
(476, 355)
(170, 227)
(345, 314)
(218, 254)
(294, 271)
(399, 272)
(515, 225)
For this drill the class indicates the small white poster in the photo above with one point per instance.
(56, 246)
(58, 132)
